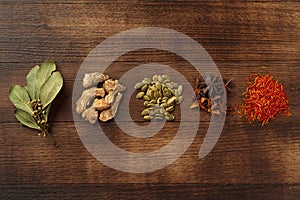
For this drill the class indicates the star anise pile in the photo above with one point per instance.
(209, 93)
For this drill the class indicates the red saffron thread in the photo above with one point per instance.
(264, 98)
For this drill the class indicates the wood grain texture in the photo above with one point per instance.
(249, 161)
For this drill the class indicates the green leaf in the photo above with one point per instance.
(31, 81)
(20, 98)
(51, 88)
(47, 111)
(26, 119)
(42, 76)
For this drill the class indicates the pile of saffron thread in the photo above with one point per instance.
(264, 98)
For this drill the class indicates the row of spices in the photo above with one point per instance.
(263, 99)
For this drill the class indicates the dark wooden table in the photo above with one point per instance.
(249, 161)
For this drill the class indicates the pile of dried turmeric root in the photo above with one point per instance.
(99, 102)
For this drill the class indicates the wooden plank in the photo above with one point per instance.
(252, 29)
(152, 191)
(265, 155)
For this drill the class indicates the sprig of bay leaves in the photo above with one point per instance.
(33, 101)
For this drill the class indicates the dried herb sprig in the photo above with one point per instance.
(33, 101)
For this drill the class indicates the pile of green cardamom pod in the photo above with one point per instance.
(160, 97)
